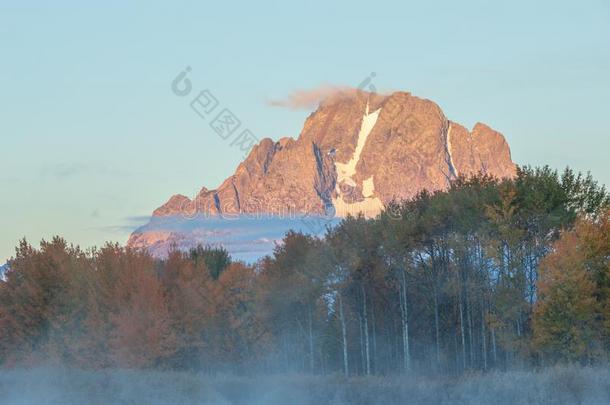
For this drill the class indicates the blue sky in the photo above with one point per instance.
(92, 138)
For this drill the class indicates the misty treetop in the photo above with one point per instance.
(488, 274)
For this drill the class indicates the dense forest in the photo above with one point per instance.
(490, 274)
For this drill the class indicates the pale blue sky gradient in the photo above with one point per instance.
(92, 139)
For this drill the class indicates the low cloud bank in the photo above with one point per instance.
(245, 238)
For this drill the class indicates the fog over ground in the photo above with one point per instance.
(560, 385)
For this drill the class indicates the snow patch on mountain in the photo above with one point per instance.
(371, 205)
(368, 187)
(345, 171)
(452, 166)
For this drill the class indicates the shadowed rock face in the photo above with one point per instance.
(356, 152)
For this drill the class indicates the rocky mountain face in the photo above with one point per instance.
(356, 152)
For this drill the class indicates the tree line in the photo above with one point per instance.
(488, 274)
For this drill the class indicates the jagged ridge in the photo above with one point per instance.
(402, 155)
(410, 146)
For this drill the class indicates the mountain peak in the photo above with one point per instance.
(356, 152)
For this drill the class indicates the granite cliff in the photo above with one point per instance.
(356, 152)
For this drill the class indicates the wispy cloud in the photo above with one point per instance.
(310, 98)
(68, 170)
(127, 225)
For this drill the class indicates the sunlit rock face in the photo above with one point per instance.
(356, 152)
